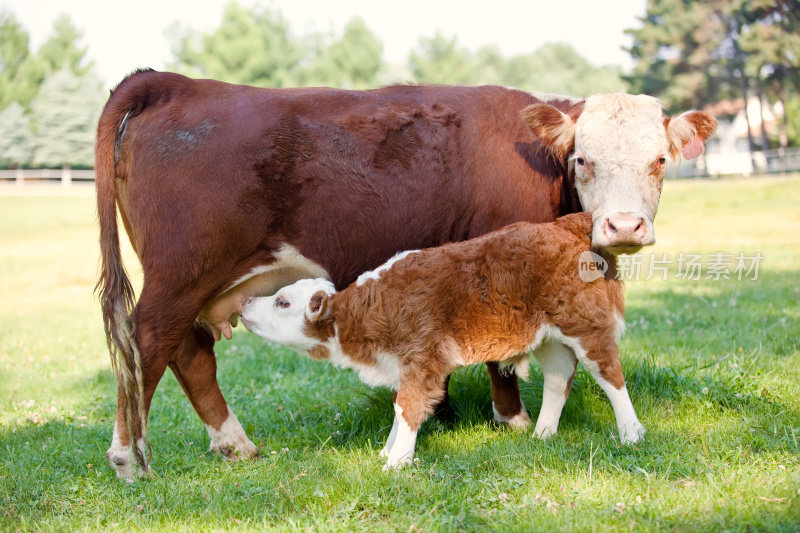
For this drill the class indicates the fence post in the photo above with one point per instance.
(20, 177)
(66, 176)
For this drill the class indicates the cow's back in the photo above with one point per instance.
(219, 176)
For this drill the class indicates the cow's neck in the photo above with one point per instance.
(569, 202)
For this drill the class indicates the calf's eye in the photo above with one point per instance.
(662, 160)
(580, 161)
(280, 302)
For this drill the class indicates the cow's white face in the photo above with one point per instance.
(619, 149)
(282, 317)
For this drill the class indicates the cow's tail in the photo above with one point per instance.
(114, 288)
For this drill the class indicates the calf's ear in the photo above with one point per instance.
(688, 132)
(317, 308)
(553, 128)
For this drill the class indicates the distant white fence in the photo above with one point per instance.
(738, 163)
(66, 176)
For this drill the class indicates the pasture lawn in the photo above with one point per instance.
(713, 368)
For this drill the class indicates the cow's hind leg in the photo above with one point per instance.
(154, 362)
(506, 402)
(195, 368)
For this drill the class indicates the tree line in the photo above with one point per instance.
(689, 54)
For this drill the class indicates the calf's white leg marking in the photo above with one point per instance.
(230, 439)
(558, 366)
(630, 429)
(389, 441)
(402, 450)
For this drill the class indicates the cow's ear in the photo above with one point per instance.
(553, 128)
(688, 132)
(317, 308)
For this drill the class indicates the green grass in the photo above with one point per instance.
(713, 368)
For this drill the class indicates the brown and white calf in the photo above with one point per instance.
(410, 323)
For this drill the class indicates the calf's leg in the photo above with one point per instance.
(507, 405)
(602, 361)
(558, 366)
(417, 395)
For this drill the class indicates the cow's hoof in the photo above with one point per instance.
(235, 451)
(120, 461)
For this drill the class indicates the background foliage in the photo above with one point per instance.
(689, 54)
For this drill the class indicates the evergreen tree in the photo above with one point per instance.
(16, 140)
(64, 117)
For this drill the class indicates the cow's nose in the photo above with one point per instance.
(625, 229)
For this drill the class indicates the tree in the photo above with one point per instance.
(64, 117)
(62, 49)
(691, 54)
(439, 59)
(21, 72)
(250, 46)
(770, 44)
(683, 52)
(558, 68)
(351, 62)
(16, 140)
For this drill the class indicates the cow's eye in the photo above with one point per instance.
(280, 302)
(662, 160)
(580, 161)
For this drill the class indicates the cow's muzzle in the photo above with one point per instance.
(624, 233)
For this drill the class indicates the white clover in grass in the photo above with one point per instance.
(705, 390)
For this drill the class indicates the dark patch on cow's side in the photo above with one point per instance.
(398, 146)
(180, 140)
(279, 191)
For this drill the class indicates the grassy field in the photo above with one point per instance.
(713, 367)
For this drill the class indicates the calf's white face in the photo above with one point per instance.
(618, 150)
(282, 317)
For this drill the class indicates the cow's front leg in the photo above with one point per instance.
(195, 368)
(507, 405)
(558, 367)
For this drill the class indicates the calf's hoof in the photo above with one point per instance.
(396, 464)
(631, 433)
(520, 421)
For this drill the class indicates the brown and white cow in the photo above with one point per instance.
(228, 191)
(496, 298)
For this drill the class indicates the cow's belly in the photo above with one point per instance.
(222, 312)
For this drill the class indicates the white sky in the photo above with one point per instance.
(123, 35)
